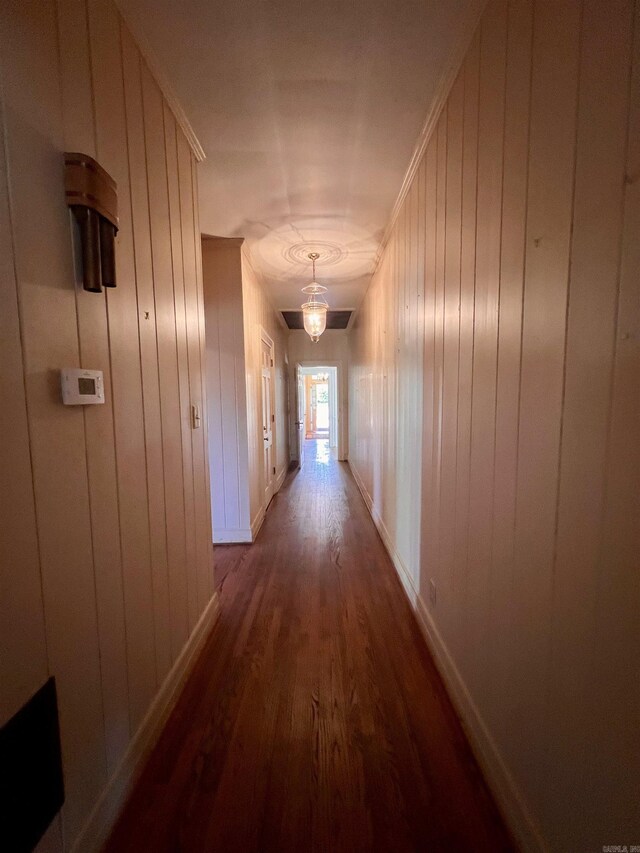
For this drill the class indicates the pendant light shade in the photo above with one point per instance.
(314, 310)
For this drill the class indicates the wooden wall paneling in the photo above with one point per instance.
(201, 500)
(75, 77)
(147, 326)
(415, 380)
(493, 34)
(79, 135)
(207, 579)
(451, 343)
(514, 200)
(589, 357)
(384, 435)
(183, 351)
(471, 70)
(122, 312)
(549, 211)
(421, 242)
(23, 663)
(33, 126)
(167, 357)
(402, 285)
(427, 551)
(538, 640)
(437, 365)
(617, 627)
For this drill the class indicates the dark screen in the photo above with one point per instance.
(86, 386)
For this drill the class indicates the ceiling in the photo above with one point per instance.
(308, 113)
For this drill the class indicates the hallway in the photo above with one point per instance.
(315, 718)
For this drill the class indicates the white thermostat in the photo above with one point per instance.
(81, 387)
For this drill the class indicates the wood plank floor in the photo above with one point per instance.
(315, 719)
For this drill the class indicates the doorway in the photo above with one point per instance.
(318, 407)
(268, 418)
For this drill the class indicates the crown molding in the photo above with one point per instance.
(223, 241)
(148, 54)
(445, 84)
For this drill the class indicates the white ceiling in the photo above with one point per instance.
(308, 113)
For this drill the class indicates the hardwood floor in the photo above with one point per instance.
(315, 719)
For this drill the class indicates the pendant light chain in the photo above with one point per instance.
(314, 310)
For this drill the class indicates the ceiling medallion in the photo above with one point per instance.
(314, 310)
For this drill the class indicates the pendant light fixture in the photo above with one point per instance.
(314, 310)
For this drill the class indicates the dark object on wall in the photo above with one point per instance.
(31, 784)
(92, 196)
(335, 319)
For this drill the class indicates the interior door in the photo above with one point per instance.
(299, 422)
(267, 420)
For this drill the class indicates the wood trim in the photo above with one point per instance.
(256, 524)
(231, 537)
(102, 819)
(267, 339)
(231, 242)
(149, 56)
(502, 785)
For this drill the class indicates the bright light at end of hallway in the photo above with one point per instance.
(323, 451)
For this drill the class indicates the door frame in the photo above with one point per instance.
(341, 413)
(266, 338)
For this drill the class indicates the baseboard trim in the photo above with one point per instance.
(281, 477)
(227, 537)
(256, 524)
(105, 813)
(503, 787)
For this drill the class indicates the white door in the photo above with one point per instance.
(267, 421)
(300, 407)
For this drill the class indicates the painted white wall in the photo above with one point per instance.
(105, 542)
(506, 298)
(226, 389)
(331, 349)
(236, 311)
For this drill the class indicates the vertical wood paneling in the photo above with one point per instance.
(514, 200)
(451, 343)
(227, 400)
(111, 134)
(167, 357)
(193, 353)
(84, 496)
(428, 555)
(592, 306)
(493, 36)
(549, 209)
(33, 127)
(189, 591)
(530, 427)
(437, 363)
(206, 586)
(23, 663)
(80, 135)
(160, 641)
(466, 341)
(617, 626)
